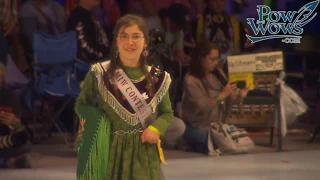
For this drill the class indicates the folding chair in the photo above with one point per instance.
(54, 79)
(262, 102)
(81, 69)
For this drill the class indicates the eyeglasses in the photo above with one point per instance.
(135, 37)
(214, 58)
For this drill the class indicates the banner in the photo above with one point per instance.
(252, 63)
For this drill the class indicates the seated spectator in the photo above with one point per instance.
(93, 44)
(174, 134)
(14, 144)
(206, 95)
(45, 16)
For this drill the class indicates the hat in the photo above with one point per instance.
(179, 14)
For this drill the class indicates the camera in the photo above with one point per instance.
(240, 84)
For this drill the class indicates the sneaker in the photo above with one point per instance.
(215, 152)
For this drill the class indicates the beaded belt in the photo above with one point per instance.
(123, 132)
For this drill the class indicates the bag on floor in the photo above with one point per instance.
(230, 139)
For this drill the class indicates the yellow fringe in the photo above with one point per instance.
(160, 151)
(236, 31)
(200, 28)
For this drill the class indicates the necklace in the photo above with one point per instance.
(138, 80)
(218, 19)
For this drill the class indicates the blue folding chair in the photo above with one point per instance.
(54, 79)
(81, 70)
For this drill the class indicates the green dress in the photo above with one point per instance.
(129, 158)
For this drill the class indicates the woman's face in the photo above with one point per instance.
(211, 61)
(130, 42)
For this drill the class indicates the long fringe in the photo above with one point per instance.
(96, 165)
(108, 97)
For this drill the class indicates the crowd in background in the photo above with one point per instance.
(176, 28)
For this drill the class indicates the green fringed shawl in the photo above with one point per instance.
(93, 145)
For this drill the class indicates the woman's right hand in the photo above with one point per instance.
(228, 90)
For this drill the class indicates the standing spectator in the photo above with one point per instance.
(8, 21)
(149, 9)
(112, 11)
(45, 16)
(92, 40)
(69, 5)
(219, 27)
(9, 36)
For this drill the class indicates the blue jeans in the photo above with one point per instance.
(13, 152)
(197, 139)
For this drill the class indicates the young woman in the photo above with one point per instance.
(124, 108)
(206, 88)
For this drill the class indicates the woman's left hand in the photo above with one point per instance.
(150, 136)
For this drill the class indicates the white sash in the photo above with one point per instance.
(133, 96)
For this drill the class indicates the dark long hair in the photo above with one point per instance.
(196, 64)
(115, 62)
(200, 52)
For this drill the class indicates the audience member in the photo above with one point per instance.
(149, 9)
(9, 36)
(221, 28)
(45, 16)
(175, 22)
(69, 5)
(174, 133)
(206, 93)
(92, 40)
(14, 144)
(8, 21)
(112, 11)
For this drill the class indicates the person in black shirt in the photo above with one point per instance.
(93, 44)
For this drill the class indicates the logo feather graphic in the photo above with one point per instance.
(305, 12)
